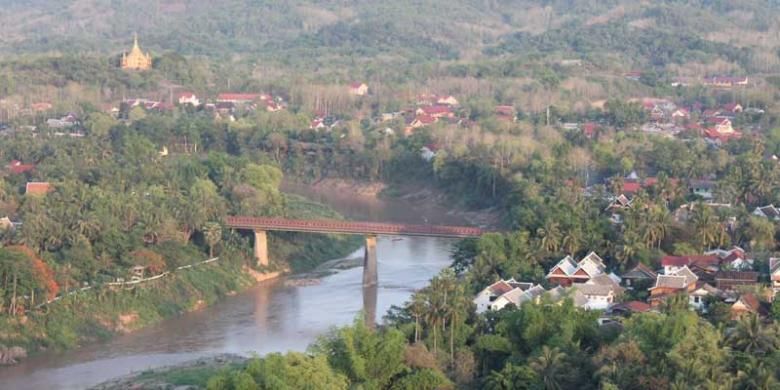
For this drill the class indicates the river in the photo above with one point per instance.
(270, 317)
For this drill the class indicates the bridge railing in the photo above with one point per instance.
(350, 227)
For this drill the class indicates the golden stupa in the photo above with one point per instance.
(136, 59)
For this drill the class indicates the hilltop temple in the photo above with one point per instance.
(136, 59)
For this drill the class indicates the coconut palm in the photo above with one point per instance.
(752, 337)
(212, 232)
(550, 366)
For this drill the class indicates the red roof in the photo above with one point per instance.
(505, 110)
(698, 260)
(589, 129)
(723, 137)
(187, 95)
(436, 110)
(37, 188)
(17, 168)
(356, 85)
(631, 187)
(239, 97)
(426, 119)
(636, 306)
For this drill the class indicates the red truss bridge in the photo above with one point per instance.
(350, 227)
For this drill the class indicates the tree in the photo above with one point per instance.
(212, 232)
(512, 377)
(759, 234)
(136, 114)
(751, 337)
(551, 368)
(369, 359)
(99, 124)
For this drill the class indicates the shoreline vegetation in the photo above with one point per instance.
(125, 307)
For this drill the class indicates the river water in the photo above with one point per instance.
(270, 317)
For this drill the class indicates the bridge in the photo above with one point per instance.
(261, 225)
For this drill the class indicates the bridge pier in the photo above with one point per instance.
(261, 248)
(370, 277)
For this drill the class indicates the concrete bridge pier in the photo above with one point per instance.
(261, 248)
(370, 277)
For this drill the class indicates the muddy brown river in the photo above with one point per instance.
(270, 317)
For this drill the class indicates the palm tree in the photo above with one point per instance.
(417, 309)
(705, 222)
(550, 236)
(751, 337)
(212, 232)
(756, 375)
(549, 365)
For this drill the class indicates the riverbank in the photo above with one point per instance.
(423, 202)
(194, 373)
(98, 314)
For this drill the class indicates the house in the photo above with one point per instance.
(681, 114)
(774, 273)
(437, 111)
(672, 264)
(428, 152)
(682, 280)
(358, 89)
(633, 75)
(698, 295)
(747, 304)
(639, 275)
(703, 188)
(188, 98)
(517, 297)
(619, 203)
(730, 280)
(448, 100)
(37, 188)
(725, 81)
(734, 258)
(506, 113)
(590, 129)
(501, 293)
(486, 297)
(566, 271)
(770, 212)
(600, 291)
(240, 98)
(732, 108)
(272, 106)
(41, 106)
(17, 168)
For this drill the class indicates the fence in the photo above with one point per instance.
(122, 284)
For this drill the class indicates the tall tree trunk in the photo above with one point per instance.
(12, 307)
(435, 350)
(452, 343)
(416, 328)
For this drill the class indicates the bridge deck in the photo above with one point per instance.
(350, 227)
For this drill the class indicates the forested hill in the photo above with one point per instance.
(430, 29)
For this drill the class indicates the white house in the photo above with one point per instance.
(485, 299)
(517, 297)
(696, 298)
(600, 292)
(774, 273)
(770, 212)
(448, 100)
(735, 258)
(189, 98)
(358, 89)
(567, 271)
(427, 154)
